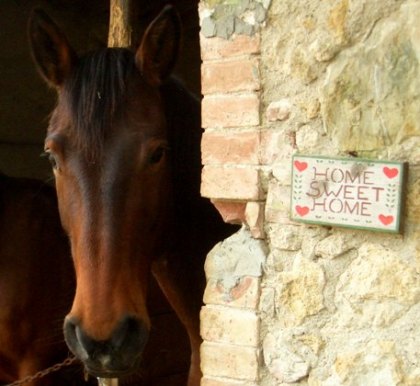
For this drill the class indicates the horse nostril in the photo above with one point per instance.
(129, 332)
(120, 353)
(74, 339)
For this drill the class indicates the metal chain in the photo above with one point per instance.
(43, 373)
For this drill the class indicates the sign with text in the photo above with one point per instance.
(350, 192)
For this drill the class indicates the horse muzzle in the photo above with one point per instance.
(112, 358)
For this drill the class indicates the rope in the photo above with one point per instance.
(43, 373)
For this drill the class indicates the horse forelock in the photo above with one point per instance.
(95, 94)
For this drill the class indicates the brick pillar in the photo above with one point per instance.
(230, 322)
(231, 178)
(231, 118)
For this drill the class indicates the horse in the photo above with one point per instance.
(36, 284)
(36, 290)
(124, 144)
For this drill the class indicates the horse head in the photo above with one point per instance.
(107, 141)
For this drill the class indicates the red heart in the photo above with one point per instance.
(302, 210)
(386, 220)
(390, 173)
(301, 166)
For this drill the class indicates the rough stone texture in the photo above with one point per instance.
(300, 292)
(277, 146)
(377, 288)
(297, 354)
(372, 103)
(227, 17)
(377, 364)
(350, 72)
(238, 256)
(279, 110)
(278, 203)
(335, 245)
(285, 237)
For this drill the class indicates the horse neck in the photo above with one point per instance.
(197, 223)
(182, 111)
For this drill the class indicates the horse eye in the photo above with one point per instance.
(53, 161)
(51, 157)
(157, 155)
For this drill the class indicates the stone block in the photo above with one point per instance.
(307, 138)
(300, 291)
(276, 147)
(373, 363)
(279, 110)
(232, 212)
(285, 237)
(289, 354)
(377, 288)
(335, 245)
(277, 208)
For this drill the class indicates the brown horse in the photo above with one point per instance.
(36, 283)
(124, 142)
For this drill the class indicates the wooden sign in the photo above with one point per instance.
(350, 192)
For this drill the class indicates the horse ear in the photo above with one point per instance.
(158, 51)
(50, 49)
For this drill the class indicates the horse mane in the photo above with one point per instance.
(95, 92)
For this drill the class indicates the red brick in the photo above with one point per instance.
(245, 294)
(209, 381)
(254, 215)
(230, 76)
(231, 110)
(217, 48)
(231, 212)
(230, 361)
(230, 183)
(229, 325)
(227, 147)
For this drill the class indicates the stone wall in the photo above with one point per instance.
(293, 304)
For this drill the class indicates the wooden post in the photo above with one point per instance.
(120, 29)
